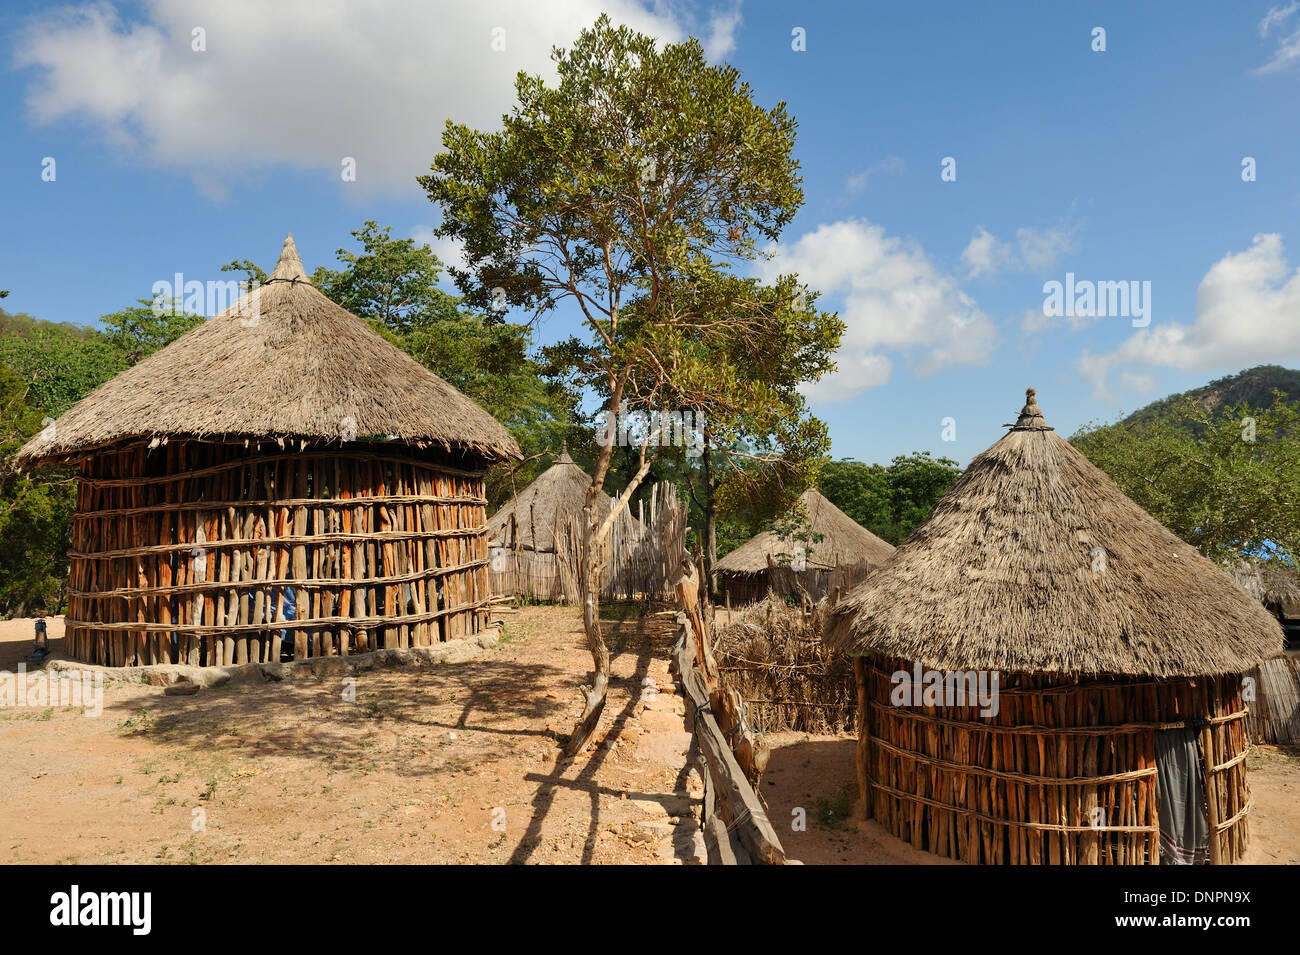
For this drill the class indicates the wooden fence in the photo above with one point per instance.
(1274, 713)
(808, 586)
(735, 824)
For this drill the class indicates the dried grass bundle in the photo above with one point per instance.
(773, 655)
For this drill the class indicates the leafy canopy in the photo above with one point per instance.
(630, 190)
(1226, 480)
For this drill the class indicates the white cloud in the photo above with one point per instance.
(986, 254)
(1247, 311)
(861, 179)
(450, 251)
(1277, 16)
(721, 40)
(307, 83)
(892, 299)
(1288, 44)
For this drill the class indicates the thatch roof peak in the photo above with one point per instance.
(844, 542)
(289, 267)
(1035, 561)
(1031, 418)
(284, 363)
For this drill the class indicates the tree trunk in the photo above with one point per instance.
(595, 694)
(710, 524)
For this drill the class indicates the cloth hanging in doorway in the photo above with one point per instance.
(1184, 829)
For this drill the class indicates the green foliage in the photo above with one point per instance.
(60, 364)
(1253, 386)
(391, 282)
(35, 512)
(890, 501)
(254, 272)
(140, 330)
(1225, 480)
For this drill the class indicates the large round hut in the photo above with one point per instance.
(537, 535)
(1046, 674)
(279, 480)
(831, 551)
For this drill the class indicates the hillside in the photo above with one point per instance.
(1254, 386)
(20, 323)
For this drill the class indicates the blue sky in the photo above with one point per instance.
(1122, 165)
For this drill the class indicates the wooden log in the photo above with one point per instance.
(300, 558)
(864, 739)
(738, 805)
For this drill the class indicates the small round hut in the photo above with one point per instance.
(1046, 674)
(838, 553)
(537, 535)
(278, 481)
(1275, 710)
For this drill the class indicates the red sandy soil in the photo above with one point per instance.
(410, 773)
(413, 770)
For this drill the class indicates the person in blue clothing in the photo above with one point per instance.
(290, 613)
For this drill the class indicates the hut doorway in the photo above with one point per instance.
(1180, 798)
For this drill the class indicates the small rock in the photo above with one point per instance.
(181, 689)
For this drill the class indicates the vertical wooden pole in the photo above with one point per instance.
(864, 737)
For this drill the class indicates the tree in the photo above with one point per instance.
(1227, 480)
(630, 191)
(35, 511)
(60, 364)
(140, 330)
(256, 274)
(889, 501)
(391, 282)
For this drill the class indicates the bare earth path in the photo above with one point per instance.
(451, 764)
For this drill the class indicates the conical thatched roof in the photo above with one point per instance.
(1035, 561)
(1272, 583)
(283, 362)
(844, 542)
(558, 493)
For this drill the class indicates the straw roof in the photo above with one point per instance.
(284, 362)
(1035, 561)
(558, 493)
(1272, 583)
(844, 542)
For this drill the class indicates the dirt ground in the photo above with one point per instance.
(447, 765)
(455, 764)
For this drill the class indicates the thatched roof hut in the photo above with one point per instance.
(838, 553)
(1275, 710)
(279, 471)
(539, 532)
(1274, 584)
(1117, 652)
(528, 520)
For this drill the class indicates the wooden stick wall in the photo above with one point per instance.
(192, 552)
(1021, 787)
